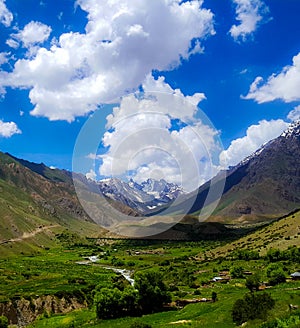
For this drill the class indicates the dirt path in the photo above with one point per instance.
(27, 235)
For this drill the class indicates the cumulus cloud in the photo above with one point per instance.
(91, 175)
(33, 33)
(256, 136)
(294, 115)
(141, 138)
(6, 17)
(250, 14)
(3, 58)
(284, 86)
(8, 129)
(123, 42)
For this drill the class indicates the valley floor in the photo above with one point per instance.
(55, 286)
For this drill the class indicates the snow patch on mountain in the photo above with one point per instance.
(143, 197)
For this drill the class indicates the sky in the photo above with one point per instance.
(136, 88)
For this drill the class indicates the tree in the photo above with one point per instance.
(252, 306)
(274, 255)
(152, 291)
(214, 296)
(3, 322)
(277, 277)
(253, 282)
(129, 301)
(108, 303)
(113, 303)
(275, 273)
(237, 272)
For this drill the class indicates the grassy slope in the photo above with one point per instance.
(280, 234)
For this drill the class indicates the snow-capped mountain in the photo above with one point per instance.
(264, 185)
(142, 197)
(161, 189)
(292, 131)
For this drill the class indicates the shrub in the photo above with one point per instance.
(277, 277)
(274, 255)
(214, 296)
(152, 291)
(237, 272)
(252, 306)
(108, 303)
(253, 282)
(113, 303)
(3, 322)
(275, 274)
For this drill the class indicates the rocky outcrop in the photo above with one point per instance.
(22, 312)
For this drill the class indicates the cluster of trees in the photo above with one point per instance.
(246, 254)
(148, 295)
(251, 306)
(275, 273)
(291, 254)
(273, 254)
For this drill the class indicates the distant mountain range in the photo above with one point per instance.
(264, 186)
(142, 197)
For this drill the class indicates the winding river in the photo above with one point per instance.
(125, 273)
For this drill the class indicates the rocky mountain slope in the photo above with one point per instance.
(263, 186)
(34, 198)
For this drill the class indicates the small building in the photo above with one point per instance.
(247, 273)
(223, 279)
(295, 276)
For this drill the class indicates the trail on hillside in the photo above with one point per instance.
(31, 234)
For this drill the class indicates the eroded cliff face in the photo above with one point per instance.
(23, 311)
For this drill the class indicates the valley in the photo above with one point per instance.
(57, 278)
(61, 268)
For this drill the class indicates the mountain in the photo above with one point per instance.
(35, 199)
(144, 197)
(37, 202)
(265, 185)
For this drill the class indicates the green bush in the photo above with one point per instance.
(252, 306)
(253, 282)
(3, 322)
(152, 291)
(275, 274)
(237, 272)
(113, 303)
(149, 295)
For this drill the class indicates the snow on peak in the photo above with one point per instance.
(292, 131)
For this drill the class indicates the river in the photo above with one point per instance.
(125, 273)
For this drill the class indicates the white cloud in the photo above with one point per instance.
(256, 136)
(294, 115)
(8, 129)
(12, 43)
(91, 175)
(3, 58)
(249, 14)
(6, 17)
(33, 33)
(141, 138)
(284, 86)
(123, 42)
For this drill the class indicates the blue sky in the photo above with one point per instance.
(63, 60)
